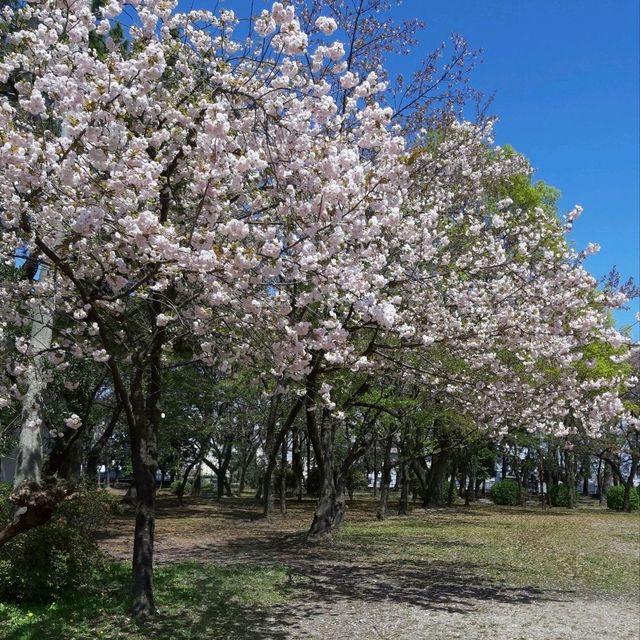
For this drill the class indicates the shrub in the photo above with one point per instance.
(175, 487)
(357, 480)
(446, 488)
(49, 560)
(615, 498)
(507, 492)
(559, 495)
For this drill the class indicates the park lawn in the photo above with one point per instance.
(190, 597)
(265, 567)
(582, 550)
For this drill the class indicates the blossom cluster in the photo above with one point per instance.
(248, 206)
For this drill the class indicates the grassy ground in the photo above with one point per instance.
(223, 572)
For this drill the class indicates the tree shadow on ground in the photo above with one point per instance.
(324, 577)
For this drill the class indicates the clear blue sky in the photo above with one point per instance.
(565, 77)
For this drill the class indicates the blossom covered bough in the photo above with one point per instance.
(258, 197)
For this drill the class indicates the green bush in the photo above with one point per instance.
(357, 480)
(507, 492)
(175, 487)
(559, 495)
(50, 560)
(446, 487)
(615, 498)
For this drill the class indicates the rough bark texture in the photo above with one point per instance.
(628, 485)
(386, 479)
(296, 462)
(403, 505)
(436, 492)
(283, 476)
(571, 478)
(144, 460)
(329, 513)
(30, 448)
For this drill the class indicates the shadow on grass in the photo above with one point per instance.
(194, 601)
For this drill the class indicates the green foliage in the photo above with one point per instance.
(449, 493)
(357, 480)
(507, 492)
(49, 561)
(559, 495)
(175, 487)
(615, 498)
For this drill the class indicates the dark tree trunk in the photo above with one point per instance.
(628, 485)
(419, 467)
(541, 474)
(221, 471)
(329, 513)
(452, 486)
(196, 487)
(183, 483)
(606, 483)
(403, 505)
(283, 476)
(296, 462)
(586, 474)
(143, 456)
(375, 467)
(467, 491)
(241, 480)
(436, 492)
(570, 464)
(386, 478)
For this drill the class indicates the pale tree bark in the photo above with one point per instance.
(30, 443)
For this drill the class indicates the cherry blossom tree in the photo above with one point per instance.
(257, 202)
(179, 182)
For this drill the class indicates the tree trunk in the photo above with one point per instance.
(586, 474)
(296, 462)
(30, 441)
(283, 476)
(607, 482)
(386, 478)
(196, 487)
(628, 485)
(403, 505)
(420, 471)
(221, 470)
(143, 456)
(329, 513)
(436, 492)
(541, 473)
(570, 464)
(241, 480)
(375, 468)
(452, 486)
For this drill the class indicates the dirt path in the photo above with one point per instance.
(338, 596)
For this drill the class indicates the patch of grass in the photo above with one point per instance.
(561, 549)
(194, 601)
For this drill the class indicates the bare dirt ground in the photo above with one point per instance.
(401, 589)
